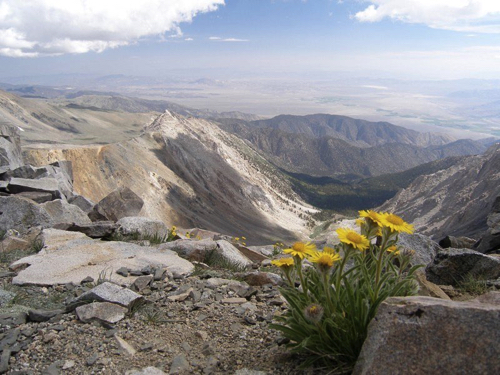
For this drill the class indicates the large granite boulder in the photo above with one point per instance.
(199, 250)
(424, 248)
(85, 204)
(70, 257)
(120, 203)
(10, 147)
(61, 212)
(425, 335)
(451, 266)
(190, 249)
(142, 226)
(21, 214)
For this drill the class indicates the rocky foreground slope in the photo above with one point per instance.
(80, 295)
(189, 173)
(455, 201)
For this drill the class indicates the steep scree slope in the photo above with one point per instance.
(454, 201)
(190, 173)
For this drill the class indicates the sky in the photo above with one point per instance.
(413, 39)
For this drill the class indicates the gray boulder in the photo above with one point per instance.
(10, 147)
(457, 242)
(37, 196)
(24, 171)
(199, 250)
(425, 248)
(44, 185)
(266, 250)
(189, 249)
(232, 254)
(424, 335)
(86, 205)
(103, 311)
(120, 203)
(61, 211)
(142, 226)
(450, 266)
(112, 293)
(21, 214)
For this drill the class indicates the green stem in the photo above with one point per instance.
(379, 266)
(340, 271)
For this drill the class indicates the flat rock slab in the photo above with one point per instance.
(425, 335)
(102, 311)
(47, 185)
(70, 257)
(112, 293)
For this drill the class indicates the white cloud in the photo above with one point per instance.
(482, 16)
(189, 39)
(227, 39)
(234, 40)
(30, 28)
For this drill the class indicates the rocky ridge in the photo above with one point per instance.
(192, 174)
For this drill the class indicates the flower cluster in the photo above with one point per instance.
(331, 303)
(239, 241)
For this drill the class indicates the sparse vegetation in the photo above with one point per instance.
(473, 285)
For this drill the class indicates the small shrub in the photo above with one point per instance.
(278, 248)
(329, 313)
(473, 285)
(37, 245)
(104, 277)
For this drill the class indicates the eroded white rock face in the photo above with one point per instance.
(70, 257)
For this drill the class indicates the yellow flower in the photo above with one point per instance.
(236, 239)
(329, 250)
(174, 228)
(283, 262)
(393, 250)
(396, 224)
(243, 243)
(324, 259)
(188, 235)
(371, 215)
(354, 239)
(300, 249)
(243, 238)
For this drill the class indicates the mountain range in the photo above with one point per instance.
(265, 179)
(329, 145)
